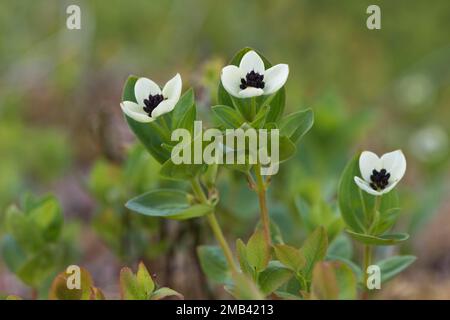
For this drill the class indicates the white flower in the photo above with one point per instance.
(151, 100)
(380, 175)
(251, 79)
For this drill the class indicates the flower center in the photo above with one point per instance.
(379, 180)
(252, 79)
(152, 102)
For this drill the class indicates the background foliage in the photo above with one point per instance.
(62, 131)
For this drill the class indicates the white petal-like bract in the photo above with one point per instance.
(275, 78)
(251, 61)
(143, 88)
(364, 185)
(251, 92)
(164, 107)
(395, 163)
(172, 89)
(231, 79)
(368, 161)
(135, 111)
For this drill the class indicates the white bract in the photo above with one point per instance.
(380, 175)
(151, 100)
(251, 79)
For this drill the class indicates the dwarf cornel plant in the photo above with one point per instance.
(251, 95)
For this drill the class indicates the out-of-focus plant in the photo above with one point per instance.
(112, 184)
(139, 286)
(37, 243)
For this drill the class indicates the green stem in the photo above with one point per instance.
(215, 227)
(253, 108)
(367, 257)
(261, 189)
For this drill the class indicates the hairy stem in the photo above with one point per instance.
(215, 227)
(261, 189)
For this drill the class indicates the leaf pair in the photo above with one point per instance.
(140, 286)
(254, 259)
(301, 261)
(32, 247)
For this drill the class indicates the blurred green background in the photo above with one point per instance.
(62, 131)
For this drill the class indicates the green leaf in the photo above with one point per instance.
(390, 267)
(213, 263)
(228, 116)
(287, 148)
(145, 280)
(382, 240)
(286, 295)
(290, 257)
(165, 292)
(277, 105)
(273, 277)
(149, 134)
(24, 232)
(242, 257)
(166, 203)
(260, 118)
(346, 280)
(297, 124)
(129, 286)
(39, 267)
(324, 284)
(181, 171)
(258, 252)
(184, 112)
(12, 253)
(244, 288)
(60, 291)
(314, 249)
(184, 171)
(47, 217)
(349, 198)
(355, 268)
(341, 247)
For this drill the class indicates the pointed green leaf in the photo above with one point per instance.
(166, 203)
(273, 277)
(297, 124)
(129, 286)
(165, 292)
(314, 249)
(228, 116)
(258, 252)
(390, 267)
(242, 257)
(144, 280)
(213, 263)
(382, 240)
(290, 257)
